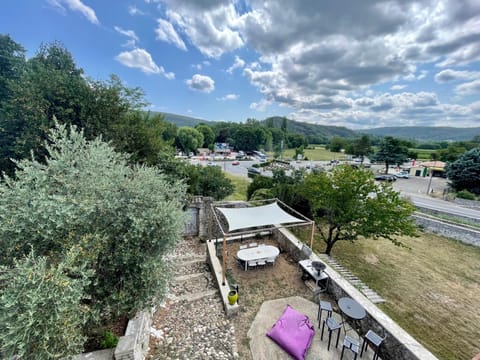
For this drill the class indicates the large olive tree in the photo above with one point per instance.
(120, 219)
(346, 204)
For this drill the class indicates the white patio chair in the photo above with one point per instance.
(243, 247)
(253, 244)
(252, 264)
(261, 263)
(270, 261)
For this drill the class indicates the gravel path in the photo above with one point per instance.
(192, 323)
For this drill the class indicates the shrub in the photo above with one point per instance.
(110, 340)
(465, 194)
(42, 313)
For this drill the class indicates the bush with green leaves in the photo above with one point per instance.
(44, 307)
(465, 194)
(464, 173)
(121, 219)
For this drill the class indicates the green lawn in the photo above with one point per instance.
(319, 153)
(431, 289)
(241, 185)
(423, 154)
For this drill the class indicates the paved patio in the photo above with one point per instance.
(263, 348)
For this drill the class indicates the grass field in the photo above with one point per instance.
(319, 153)
(432, 289)
(240, 184)
(423, 154)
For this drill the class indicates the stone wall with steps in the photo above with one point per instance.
(355, 281)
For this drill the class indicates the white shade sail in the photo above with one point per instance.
(265, 215)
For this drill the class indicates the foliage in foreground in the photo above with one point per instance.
(42, 313)
(347, 204)
(120, 220)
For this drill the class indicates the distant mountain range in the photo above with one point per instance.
(324, 133)
(311, 131)
(425, 133)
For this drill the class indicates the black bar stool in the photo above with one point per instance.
(332, 326)
(350, 344)
(372, 338)
(324, 306)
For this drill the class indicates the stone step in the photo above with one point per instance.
(195, 296)
(188, 276)
(192, 261)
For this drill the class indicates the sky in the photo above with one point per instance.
(358, 64)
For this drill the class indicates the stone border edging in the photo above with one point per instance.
(216, 268)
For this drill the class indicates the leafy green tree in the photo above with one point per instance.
(142, 135)
(336, 144)
(208, 135)
(189, 139)
(392, 151)
(347, 204)
(12, 65)
(452, 152)
(258, 182)
(362, 147)
(209, 181)
(120, 218)
(464, 173)
(296, 140)
(248, 138)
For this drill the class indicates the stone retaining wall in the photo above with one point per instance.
(132, 346)
(398, 343)
(460, 233)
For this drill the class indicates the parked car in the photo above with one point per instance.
(254, 170)
(210, 163)
(236, 162)
(402, 174)
(385, 177)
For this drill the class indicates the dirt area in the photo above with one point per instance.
(283, 279)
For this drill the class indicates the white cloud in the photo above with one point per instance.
(469, 88)
(449, 75)
(229, 97)
(141, 59)
(133, 10)
(211, 27)
(76, 5)
(261, 106)
(202, 83)
(238, 64)
(331, 55)
(132, 37)
(166, 32)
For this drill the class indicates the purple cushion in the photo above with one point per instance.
(293, 332)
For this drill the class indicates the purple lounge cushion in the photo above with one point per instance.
(293, 332)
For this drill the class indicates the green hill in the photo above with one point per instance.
(181, 120)
(425, 133)
(315, 133)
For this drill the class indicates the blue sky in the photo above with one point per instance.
(346, 62)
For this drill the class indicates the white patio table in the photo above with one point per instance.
(262, 252)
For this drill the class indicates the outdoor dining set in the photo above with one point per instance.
(256, 255)
(349, 310)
